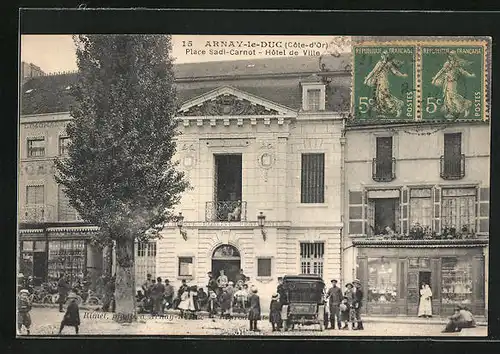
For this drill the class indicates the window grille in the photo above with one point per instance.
(312, 257)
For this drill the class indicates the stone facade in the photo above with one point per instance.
(418, 153)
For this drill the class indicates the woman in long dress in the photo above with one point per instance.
(454, 104)
(386, 104)
(425, 306)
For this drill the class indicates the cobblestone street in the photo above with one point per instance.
(46, 322)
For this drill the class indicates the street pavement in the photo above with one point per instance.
(46, 321)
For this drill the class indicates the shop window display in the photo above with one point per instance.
(382, 280)
(66, 257)
(456, 280)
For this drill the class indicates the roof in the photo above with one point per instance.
(276, 79)
(303, 278)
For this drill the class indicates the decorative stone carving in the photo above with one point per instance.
(228, 105)
(38, 167)
(44, 124)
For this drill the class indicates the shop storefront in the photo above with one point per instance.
(393, 272)
(46, 254)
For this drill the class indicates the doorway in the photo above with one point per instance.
(39, 267)
(228, 184)
(424, 277)
(226, 258)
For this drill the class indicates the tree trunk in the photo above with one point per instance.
(125, 283)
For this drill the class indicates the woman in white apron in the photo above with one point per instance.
(425, 306)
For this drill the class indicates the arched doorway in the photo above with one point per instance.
(227, 258)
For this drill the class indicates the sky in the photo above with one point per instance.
(56, 53)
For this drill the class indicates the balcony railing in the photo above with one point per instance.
(384, 170)
(426, 233)
(37, 213)
(226, 211)
(453, 168)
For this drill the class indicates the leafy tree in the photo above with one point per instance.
(119, 173)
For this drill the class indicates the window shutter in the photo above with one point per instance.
(436, 278)
(405, 200)
(402, 270)
(436, 194)
(356, 213)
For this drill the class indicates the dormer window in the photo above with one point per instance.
(313, 101)
(313, 94)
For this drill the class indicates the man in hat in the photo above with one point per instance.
(147, 285)
(357, 303)
(334, 297)
(280, 290)
(169, 294)
(63, 288)
(462, 318)
(212, 282)
(157, 296)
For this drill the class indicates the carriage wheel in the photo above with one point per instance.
(47, 299)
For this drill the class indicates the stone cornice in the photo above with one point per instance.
(421, 243)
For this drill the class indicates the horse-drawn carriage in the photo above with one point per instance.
(303, 301)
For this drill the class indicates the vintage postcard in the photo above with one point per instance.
(220, 185)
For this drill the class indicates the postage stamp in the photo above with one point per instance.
(384, 82)
(236, 194)
(453, 82)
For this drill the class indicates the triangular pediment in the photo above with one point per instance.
(230, 101)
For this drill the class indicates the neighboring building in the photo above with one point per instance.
(29, 71)
(429, 183)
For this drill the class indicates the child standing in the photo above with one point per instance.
(71, 317)
(275, 312)
(23, 311)
(254, 311)
(349, 295)
(212, 298)
(344, 313)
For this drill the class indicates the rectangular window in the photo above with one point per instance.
(383, 162)
(63, 145)
(459, 210)
(313, 178)
(421, 208)
(382, 280)
(383, 216)
(27, 246)
(452, 157)
(311, 257)
(264, 267)
(456, 275)
(35, 195)
(66, 257)
(36, 147)
(313, 100)
(185, 266)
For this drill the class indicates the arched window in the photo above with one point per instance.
(226, 252)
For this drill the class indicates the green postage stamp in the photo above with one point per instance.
(452, 82)
(384, 82)
(420, 80)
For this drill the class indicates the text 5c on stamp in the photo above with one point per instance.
(384, 82)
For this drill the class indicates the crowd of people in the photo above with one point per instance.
(221, 297)
(342, 308)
